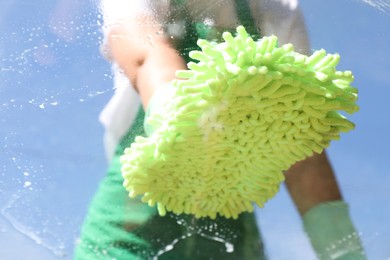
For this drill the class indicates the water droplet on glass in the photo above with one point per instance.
(229, 247)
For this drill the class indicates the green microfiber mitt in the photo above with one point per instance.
(236, 120)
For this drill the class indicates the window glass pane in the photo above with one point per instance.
(62, 119)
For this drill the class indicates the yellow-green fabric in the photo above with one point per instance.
(118, 227)
(243, 114)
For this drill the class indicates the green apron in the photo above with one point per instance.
(118, 227)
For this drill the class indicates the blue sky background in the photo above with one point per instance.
(53, 84)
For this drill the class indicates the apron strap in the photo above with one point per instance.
(194, 31)
(245, 18)
(244, 15)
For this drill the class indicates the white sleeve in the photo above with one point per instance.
(284, 19)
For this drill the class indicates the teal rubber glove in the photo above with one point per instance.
(332, 234)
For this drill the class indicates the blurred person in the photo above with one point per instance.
(147, 41)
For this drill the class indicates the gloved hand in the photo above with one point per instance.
(332, 233)
(234, 123)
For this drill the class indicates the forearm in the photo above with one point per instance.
(145, 56)
(158, 68)
(311, 182)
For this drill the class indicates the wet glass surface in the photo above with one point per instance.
(54, 83)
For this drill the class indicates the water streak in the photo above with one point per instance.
(4, 212)
(381, 5)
